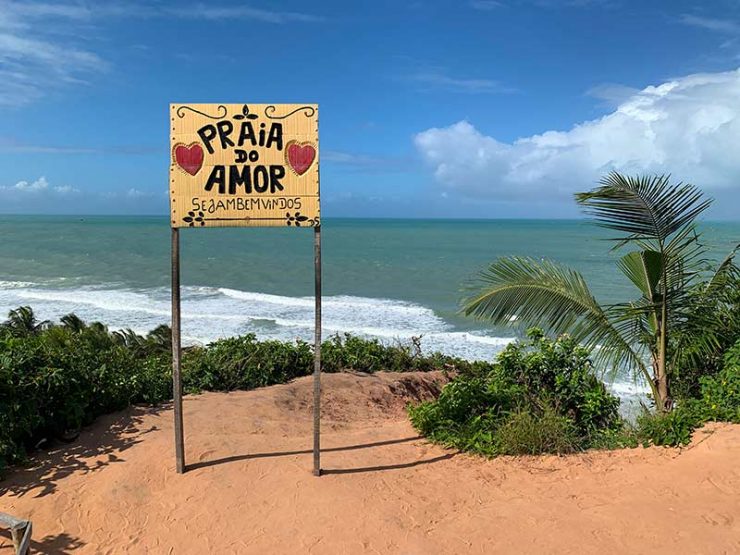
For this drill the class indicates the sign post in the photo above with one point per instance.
(317, 354)
(176, 352)
(240, 165)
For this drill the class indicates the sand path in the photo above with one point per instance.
(250, 489)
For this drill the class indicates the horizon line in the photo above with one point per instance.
(396, 218)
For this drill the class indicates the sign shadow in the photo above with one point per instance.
(326, 471)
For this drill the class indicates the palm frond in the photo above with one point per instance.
(73, 322)
(643, 207)
(22, 321)
(644, 269)
(726, 271)
(555, 298)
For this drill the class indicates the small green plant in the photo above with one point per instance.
(719, 394)
(524, 433)
(669, 429)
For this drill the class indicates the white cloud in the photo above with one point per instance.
(36, 55)
(43, 45)
(138, 193)
(38, 186)
(485, 5)
(202, 11)
(441, 80)
(66, 190)
(711, 24)
(612, 94)
(689, 127)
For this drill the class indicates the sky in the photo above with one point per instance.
(454, 109)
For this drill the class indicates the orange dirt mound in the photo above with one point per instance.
(249, 487)
(358, 397)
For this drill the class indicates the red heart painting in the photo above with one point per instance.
(300, 156)
(189, 158)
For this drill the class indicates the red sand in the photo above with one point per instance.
(385, 491)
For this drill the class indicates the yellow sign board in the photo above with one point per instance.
(248, 165)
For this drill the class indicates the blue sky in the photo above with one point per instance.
(428, 108)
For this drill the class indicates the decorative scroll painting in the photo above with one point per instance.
(244, 165)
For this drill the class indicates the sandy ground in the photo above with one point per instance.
(250, 490)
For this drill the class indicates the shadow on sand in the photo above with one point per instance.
(381, 468)
(60, 544)
(96, 448)
(246, 457)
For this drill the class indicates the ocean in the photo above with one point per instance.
(389, 279)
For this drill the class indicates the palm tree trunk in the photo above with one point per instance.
(663, 400)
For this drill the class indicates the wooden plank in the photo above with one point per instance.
(176, 352)
(240, 165)
(317, 356)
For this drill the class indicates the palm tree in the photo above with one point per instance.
(657, 220)
(22, 321)
(73, 323)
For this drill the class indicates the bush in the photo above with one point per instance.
(244, 363)
(718, 400)
(669, 429)
(540, 396)
(713, 320)
(720, 394)
(55, 379)
(524, 433)
(347, 352)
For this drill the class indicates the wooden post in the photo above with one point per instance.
(176, 351)
(317, 355)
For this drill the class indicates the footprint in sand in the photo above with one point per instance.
(718, 519)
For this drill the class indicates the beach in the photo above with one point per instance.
(249, 487)
(414, 278)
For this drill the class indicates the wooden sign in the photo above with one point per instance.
(244, 165)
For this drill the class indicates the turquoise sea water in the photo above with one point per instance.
(390, 279)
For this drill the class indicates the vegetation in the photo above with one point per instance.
(718, 400)
(541, 396)
(688, 312)
(56, 378)
(682, 336)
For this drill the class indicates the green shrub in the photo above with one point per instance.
(244, 363)
(669, 429)
(703, 342)
(720, 394)
(524, 433)
(540, 396)
(348, 352)
(718, 400)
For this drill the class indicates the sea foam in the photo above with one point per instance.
(210, 313)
